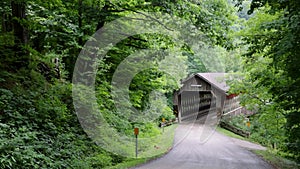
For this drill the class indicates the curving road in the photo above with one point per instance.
(217, 152)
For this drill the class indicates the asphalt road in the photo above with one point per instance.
(198, 147)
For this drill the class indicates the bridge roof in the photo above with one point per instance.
(217, 80)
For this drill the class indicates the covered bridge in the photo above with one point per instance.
(202, 93)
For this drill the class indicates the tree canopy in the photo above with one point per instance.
(271, 79)
(40, 43)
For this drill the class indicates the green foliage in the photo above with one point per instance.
(276, 160)
(167, 114)
(271, 72)
(238, 121)
(39, 128)
(38, 125)
(99, 161)
(148, 130)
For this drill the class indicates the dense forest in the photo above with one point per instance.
(270, 83)
(42, 41)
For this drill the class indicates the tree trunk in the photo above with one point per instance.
(102, 20)
(4, 27)
(80, 20)
(20, 33)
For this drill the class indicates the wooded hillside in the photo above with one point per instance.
(41, 40)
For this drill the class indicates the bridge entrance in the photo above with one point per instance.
(200, 94)
(195, 104)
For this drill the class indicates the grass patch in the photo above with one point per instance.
(276, 160)
(233, 135)
(129, 163)
(158, 146)
(230, 134)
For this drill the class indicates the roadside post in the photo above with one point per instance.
(163, 124)
(248, 122)
(136, 133)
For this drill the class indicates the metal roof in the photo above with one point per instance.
(217, 80)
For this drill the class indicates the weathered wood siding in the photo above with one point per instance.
(200, 93)
(188, 85)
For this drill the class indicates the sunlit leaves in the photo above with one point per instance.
(272, 67)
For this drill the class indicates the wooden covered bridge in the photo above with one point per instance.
(202, 93)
